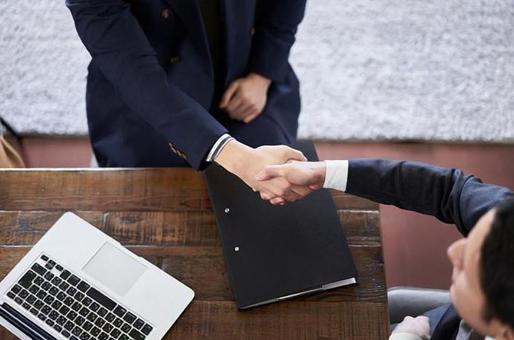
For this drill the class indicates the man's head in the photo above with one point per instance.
(482, 287)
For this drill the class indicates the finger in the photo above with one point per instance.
(265, 196)
(292, 154)
(233, 104)
(301, 191)
(229, 93)
(243, 110)
(270, 172)
(277, 201)
(251, 116)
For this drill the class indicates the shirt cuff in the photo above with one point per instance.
(404, 336)
(218, 146)
(336, 175)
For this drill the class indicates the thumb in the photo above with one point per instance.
(269, 172)
(227, 96)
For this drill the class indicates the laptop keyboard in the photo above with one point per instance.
(72, 306)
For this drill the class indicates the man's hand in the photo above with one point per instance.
(246, 97)
(308, 176)
(246, 163)
(419, 326)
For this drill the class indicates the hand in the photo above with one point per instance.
(309, 176)
(246, 97)
(246, 162)
(419, 326)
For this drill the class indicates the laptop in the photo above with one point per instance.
(274, 253)
(78, 283)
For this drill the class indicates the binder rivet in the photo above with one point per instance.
(227, 210)
(236, 249)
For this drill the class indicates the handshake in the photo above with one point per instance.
(279, 173)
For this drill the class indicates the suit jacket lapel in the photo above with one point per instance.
(448, 326)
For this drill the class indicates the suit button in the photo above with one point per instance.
(174, 59)
(252, 31)
(166, 13)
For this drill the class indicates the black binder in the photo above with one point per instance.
(274, 253)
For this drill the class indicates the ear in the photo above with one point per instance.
(505, 333)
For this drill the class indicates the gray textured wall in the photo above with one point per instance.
(397, 69)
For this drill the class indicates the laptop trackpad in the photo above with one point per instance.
(115, 269)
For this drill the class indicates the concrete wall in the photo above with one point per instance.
(397, 69)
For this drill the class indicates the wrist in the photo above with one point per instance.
(260, 79)
(233, 156)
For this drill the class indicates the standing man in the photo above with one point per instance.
(482, 290)
(187, 75)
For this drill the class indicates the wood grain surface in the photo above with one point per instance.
(165, 215)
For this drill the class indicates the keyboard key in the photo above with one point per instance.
(26, 305)
(23, 294)
(107, 327)
(73, 280)
(79, 296)
(56, 281)
(64, 285)
(71, 291)
(87, 301)
(115, 333)
(92, 317)
(85, 336)
(76, 306)
(68, 301)
(118, 322)
(44, 258)
(39, 280)
(57, 327)
(103, 336)
(103, 300)
(53, 315)
(57, 304)
(59, 268)
(49, 299)
(125, 327)
(31, 299)
(61, 320)
(41, 294)
(26, 279)
(120, 311)
(45, 310)
(79, 321)
(38, 304)
(49, 266)
(138, 324)
(147, 329)
(64, 310)
(65, 333)
(34, 289)
(84, 311)
(46, 286)
(95, 331)
(38, 269)
(18, 300)
(102, 312)
(49, 322)
(110, 317)
(87, 326)
(65, 274)
(94, 306)
(53, 291)
(16, 289)
(42, 316)
(129, 317)
(52, 262)
(33, 311)
(49, 276)
(72, 315)
(76, 331)
(61, 296)
(11, 295)
(83, 286)
(124, 337)
(99, 322)
(69, 325)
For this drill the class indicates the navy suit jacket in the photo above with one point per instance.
(150, 80)
(447, 194)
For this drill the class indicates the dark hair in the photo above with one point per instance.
(497, 266)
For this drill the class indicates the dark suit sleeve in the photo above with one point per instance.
(447, 194)
(276, 23)
(121, 50)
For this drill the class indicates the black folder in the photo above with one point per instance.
(274, 253)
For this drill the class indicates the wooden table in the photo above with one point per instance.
(165, 215)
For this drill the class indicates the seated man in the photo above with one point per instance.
(482, 289)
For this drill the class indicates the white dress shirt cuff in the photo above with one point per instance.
(336, 175)
(218, 146)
